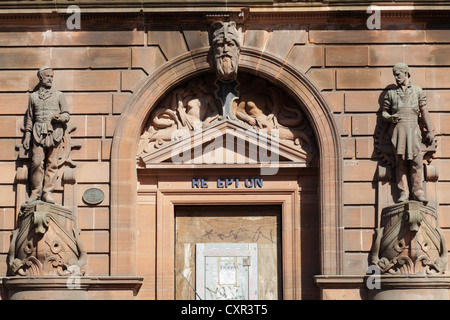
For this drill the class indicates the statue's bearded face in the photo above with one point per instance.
(226, 54)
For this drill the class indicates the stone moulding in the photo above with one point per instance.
(389, 287)
(64, 288)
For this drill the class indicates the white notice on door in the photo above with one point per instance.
(227, 271)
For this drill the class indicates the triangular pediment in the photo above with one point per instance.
(226, 143)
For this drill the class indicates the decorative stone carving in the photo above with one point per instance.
(409, 242)
(259, 106)
(265, 107)
(250, 101)
(187, 107)
(406, 138)
(226, 48)
(46, 242)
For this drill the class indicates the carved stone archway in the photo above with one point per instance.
(177, 71)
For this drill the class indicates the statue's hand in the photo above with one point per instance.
(27, 140)
(395, 118)
(57, 117)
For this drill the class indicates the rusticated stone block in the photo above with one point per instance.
(438, 100)
(110, 125)
(93, 172)
(256, 38)
(95, 241)
(72, 57)
(348, 148)
(437, 36)
(344, 122)
(359, 216)
(322, 78)
(304, 57)
(364, 147)
(87, 126)
(9, 147)
(24, 58)
(359, 193)
(85, 38)
(89, 103)
(336, 99)
(280, 42)
(13, 103)
(196, 39)
(367, 36)
(98, 265)
(362, 101)
(7, 218)
(90, 80)
(149, 58)
(7, 195)
(90, 149)
(437, 78)
(386, 55)
(10, 126)
(106, 149)
(171, 42)
(131, 79)
(92, 218)
(346, 56)
(119, 100)
(359, 170)
(13, 39)
(110, 57)
(358, 240)
(364, 124)
(14, 81)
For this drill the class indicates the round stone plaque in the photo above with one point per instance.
(93, 196)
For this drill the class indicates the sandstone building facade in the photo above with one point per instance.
(144, 220)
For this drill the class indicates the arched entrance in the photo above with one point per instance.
(124, 185)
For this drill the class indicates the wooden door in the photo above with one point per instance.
(228, 224)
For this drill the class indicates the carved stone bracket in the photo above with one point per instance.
(46, 242)
(409, 242)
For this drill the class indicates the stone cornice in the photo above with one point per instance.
(253, 15)
(175, 6)
(256, 12)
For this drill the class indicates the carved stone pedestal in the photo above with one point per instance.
(46, 242)
(410, 253)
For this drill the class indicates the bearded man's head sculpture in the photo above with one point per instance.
(226, 50)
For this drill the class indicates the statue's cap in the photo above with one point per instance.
(41, 69)
(402, 67)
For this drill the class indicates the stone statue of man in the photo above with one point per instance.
(46, 120)
(226, 50)
(406, 108)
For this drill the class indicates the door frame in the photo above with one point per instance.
(168, 191)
